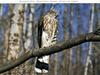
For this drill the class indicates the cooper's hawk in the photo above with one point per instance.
(47, 33)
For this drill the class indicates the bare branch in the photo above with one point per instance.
(90, 37)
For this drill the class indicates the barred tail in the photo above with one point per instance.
(42, 65)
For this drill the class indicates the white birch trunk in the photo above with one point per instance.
(15, 36)
(28, 44)
(88, 60)
(17, 21)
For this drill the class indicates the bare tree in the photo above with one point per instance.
(20, 41)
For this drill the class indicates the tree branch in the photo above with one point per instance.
(60, 46)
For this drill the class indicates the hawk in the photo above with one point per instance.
(47, 32)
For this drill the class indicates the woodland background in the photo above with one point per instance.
(73, 20)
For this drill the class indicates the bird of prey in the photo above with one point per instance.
(47, 36)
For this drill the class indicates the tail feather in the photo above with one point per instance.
(42, 64)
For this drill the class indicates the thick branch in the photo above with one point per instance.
(90, 37)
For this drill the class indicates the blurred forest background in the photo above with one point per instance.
(73, 20)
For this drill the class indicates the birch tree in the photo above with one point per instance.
(15, 35)
(20, 41)
(88, 60)
(28, 37)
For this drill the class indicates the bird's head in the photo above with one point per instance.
(53, 12)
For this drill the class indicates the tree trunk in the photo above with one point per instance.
(64, 64)
(19, 42)
(70, 36)
(89, 66)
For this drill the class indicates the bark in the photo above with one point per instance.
(88, 60)
(15, 32)
(96, 46)
(28, 38)
(25, 42)
(15, 36)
